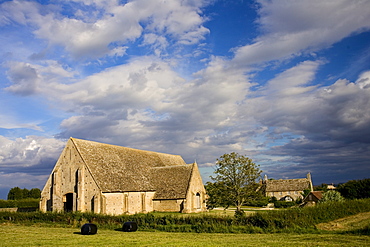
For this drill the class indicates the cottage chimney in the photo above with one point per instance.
(310, 180)
(265, 177)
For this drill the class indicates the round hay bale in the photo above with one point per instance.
(89, 229)
(129, 226)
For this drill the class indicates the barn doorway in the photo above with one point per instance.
(68, 203)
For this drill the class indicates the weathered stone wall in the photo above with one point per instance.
(196, 195)
(168, 205)
(128, 202)
(70, 183)
(281, 194)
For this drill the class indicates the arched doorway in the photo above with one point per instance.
(68, 202)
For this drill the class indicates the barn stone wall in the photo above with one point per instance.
(196, 195)
(127, 202)
(168, 205)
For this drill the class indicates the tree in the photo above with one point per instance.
(235, 179)
(305, 192)
(34, 193)
(15, 193)
(215, 192)
(355, 189)
(330, 196)
(322, 187)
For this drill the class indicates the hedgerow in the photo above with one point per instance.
(22, 203)
(301, 220)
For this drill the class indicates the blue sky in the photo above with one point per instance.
(286, 83)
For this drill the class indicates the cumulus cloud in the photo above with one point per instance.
(24, 78)
(28, 79)
(314, 125)
(33, 154)
(147, 103)
(291, 27)
(115, 23)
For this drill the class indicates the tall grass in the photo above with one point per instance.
(300, 220)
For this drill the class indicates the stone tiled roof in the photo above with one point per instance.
(299, 184)
(119, 169)
(169, 181)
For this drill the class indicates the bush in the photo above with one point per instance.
(284, 204)
(331, 196)
(8, 204)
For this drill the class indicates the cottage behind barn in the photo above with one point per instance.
(286, 189)
(109, 179)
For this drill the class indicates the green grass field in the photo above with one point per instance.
(16, 235)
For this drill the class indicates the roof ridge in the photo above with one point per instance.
(114, 145)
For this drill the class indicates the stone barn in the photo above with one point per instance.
(109, 179)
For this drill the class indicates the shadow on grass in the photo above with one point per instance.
(363, 231)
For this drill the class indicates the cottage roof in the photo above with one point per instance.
(119, 169)
(317, 194)
(299, 184)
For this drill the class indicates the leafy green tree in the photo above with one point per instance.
(355, 189)
(34, 193)
(322, 187)
(25, 193)
(215, 192)
(330, 196)
(235, 179)
(305, 193)
(15, 193)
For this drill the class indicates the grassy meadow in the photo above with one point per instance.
(17, 235)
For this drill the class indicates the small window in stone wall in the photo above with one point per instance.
(197, 200)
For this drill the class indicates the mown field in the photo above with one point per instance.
(17, 235)
(344, 223)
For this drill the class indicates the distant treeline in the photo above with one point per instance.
(355, 189)
(17, 193)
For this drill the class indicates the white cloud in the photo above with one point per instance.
(24, 77)
(364, 80)
(31, 151)
(116, 24)
(28, 79)
(292, 27)
(290, 103)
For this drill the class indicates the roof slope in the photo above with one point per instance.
(169, 181)
(117, 168)
(317, 194)
(287, 185)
